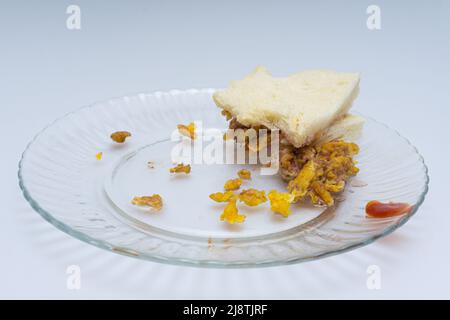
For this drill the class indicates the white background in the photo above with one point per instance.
(125, 47)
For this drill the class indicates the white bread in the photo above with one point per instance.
(301, 105)
(347, 128)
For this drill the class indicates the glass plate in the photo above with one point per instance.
(90, 199)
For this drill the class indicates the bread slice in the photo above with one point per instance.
(301, 105)
(347, 128)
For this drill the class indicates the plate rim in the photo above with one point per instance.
(196, 263)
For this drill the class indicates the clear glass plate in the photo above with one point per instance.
(90, 199)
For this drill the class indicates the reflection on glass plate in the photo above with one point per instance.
(90, 199)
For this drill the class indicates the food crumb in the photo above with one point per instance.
(221, 196)
(151, 164)
(252, 197)
(120, 136)
(210, 243)
(181, 168)
(153, 201)
(99, 155)
(187, 130)
(244, 174)
(232, 184)
(231, 214)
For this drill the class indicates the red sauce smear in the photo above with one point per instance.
(377, 209)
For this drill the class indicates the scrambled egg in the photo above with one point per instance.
(181, 168)
(330, 166)
(252, 197)
(232, 184)
(187, 130)
(230, 213)
(154, 201)
(221, 196)
(280, 202)
(244, 174)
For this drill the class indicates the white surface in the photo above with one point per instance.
(47, 71)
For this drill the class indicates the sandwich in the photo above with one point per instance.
(317, 134)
